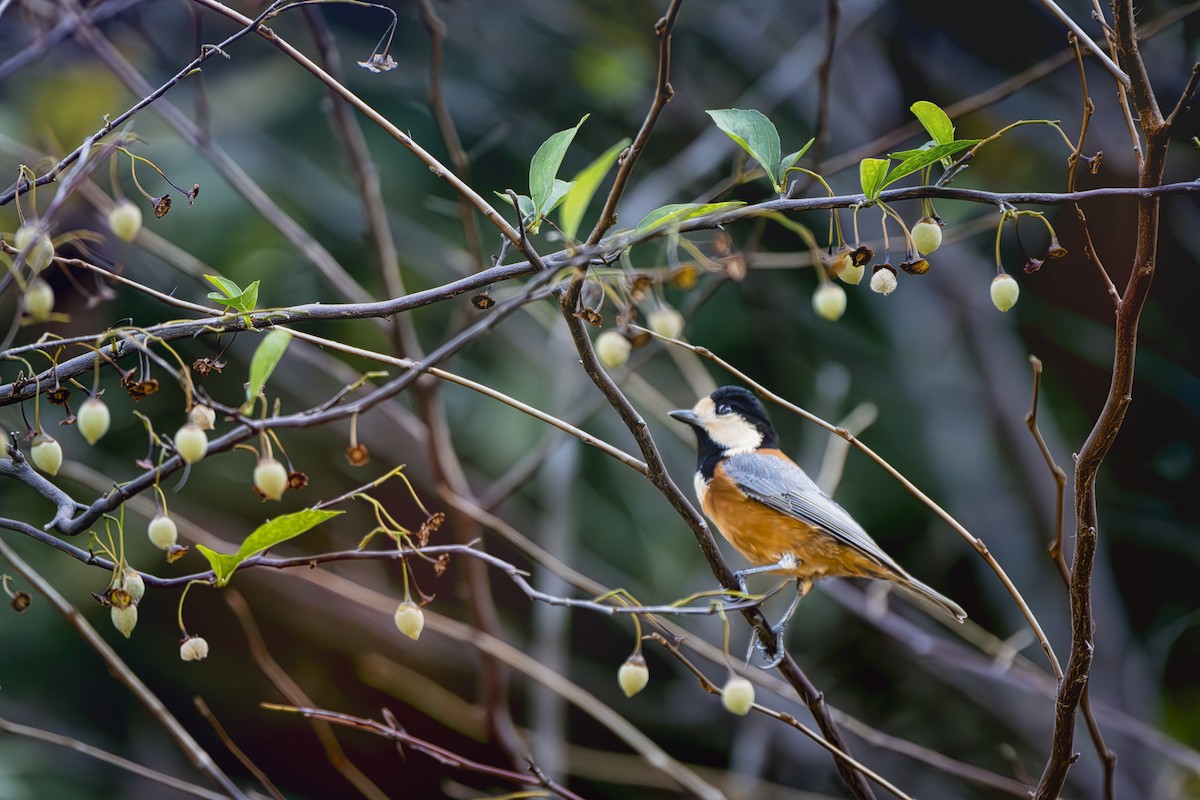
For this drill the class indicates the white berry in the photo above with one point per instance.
(125, 220)
(39, 299)
(124, 619)
(410, 620)
(42, 252)
(191, 443)
(927, 236)
(738, 695)
(633, 675)
(47, 453)
(163, 532)
(194, 648)
(829, 301)
(1005, 291)
(666, 322)
(883, 281)
(93, 419)
(270, 478)
(612, 348)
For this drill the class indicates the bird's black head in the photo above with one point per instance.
(729, 421)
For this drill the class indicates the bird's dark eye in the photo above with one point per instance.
(723, 409)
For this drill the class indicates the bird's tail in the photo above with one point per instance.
(928, 596)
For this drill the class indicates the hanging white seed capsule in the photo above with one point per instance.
(47, 453)
(163, 532)
(270, 478)
(125, 220)
(194, 648)
(883, 281)
(93, 419)
(1005, 291)
(203, 417)
(666, 321)
(410, 619)
(738, 695)
(191, 443)
(829, 301)
(42, 252)
(124, 619)
(135, 585)
(927, 235)
(612, 348)
(633, 675)
(38, 301)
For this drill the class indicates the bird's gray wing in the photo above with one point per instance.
(783, 486)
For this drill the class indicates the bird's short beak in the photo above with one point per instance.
(685, 415)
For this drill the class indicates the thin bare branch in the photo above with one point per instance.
(199, 757)
(69, 743)
(662, 95)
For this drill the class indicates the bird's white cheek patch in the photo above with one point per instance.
(731, 432)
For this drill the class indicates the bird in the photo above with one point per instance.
(776, 516)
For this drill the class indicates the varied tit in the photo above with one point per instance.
(773, 513)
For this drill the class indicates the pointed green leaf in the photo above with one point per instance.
(757, 136)
(245, 300)
(228, 288)
(790, 160)
(584, 189)
(871, 173)
(676, 213)
(557, 195)
(923, 158)
(266, 536)
(266, 357)
(222, 564)
(524, 202)
(935, 121)
(545, 163)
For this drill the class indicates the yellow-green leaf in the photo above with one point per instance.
(676, 213)
(871, 174)
(264, 537)
(585, 185)
(266, 358)
(941, 130)
(543, 168)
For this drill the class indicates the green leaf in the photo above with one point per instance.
(266, 536)
(920, 159)
(757, 136)
(266, 357)
(228, 288)
(934, 120)
(245, 300)
(525, 204)
(676, 213)
(790, 160)
(544, 166)
(557, 195)
(871, 174)
(584, 189)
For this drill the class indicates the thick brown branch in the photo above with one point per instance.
(1108, 424)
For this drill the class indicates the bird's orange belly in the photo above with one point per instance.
(764, 536)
